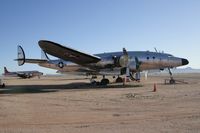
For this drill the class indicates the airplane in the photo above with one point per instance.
(22, 74)
(129, 63)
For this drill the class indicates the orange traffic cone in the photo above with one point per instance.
(154, 87)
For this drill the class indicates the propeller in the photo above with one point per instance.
(138, 63)
(124, 59)
(124, 62)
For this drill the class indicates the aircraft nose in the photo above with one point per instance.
(185, 62)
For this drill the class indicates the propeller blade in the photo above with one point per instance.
(124, 59)
(127, 72)
(138, 63)
(137, 76)
(127, 77)
(124, 51)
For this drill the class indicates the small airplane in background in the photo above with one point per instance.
(129, 63)
(22, 74)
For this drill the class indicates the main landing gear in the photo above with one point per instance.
(119, 79)
(104, 81)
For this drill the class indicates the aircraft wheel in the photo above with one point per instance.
(93, 82)
(3, 85)
(172, 81)
(119, 80)
(104, 81)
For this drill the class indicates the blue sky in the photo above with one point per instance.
(96, 26)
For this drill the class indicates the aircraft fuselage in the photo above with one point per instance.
(149, 60)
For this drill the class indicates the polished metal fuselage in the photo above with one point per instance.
(149, 61)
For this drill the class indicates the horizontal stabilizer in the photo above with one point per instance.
(34, 61)
(22, 58)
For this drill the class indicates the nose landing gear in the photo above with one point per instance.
(171, 81)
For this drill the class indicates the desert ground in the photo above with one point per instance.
(55, 104)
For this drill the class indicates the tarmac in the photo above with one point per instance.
(71, 105)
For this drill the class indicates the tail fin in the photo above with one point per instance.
(44, 55)
(21, 55)
(5, 70)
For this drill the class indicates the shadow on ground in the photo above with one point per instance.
(22, 89)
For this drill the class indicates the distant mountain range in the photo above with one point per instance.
(185, 70)
(175, 70)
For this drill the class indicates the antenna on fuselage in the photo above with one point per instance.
(159, 51)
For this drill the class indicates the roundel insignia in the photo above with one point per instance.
(61, 64)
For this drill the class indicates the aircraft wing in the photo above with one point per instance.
(67, 53)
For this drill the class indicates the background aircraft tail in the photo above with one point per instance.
(6, 71)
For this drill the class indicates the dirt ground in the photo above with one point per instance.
(64, 104)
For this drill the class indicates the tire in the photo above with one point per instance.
(119, 80)
(172, 81)
(104, 81)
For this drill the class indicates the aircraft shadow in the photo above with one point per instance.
(23, 89)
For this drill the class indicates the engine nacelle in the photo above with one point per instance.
(120, 61)
(116, 61)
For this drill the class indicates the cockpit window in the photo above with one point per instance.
(169, 55)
